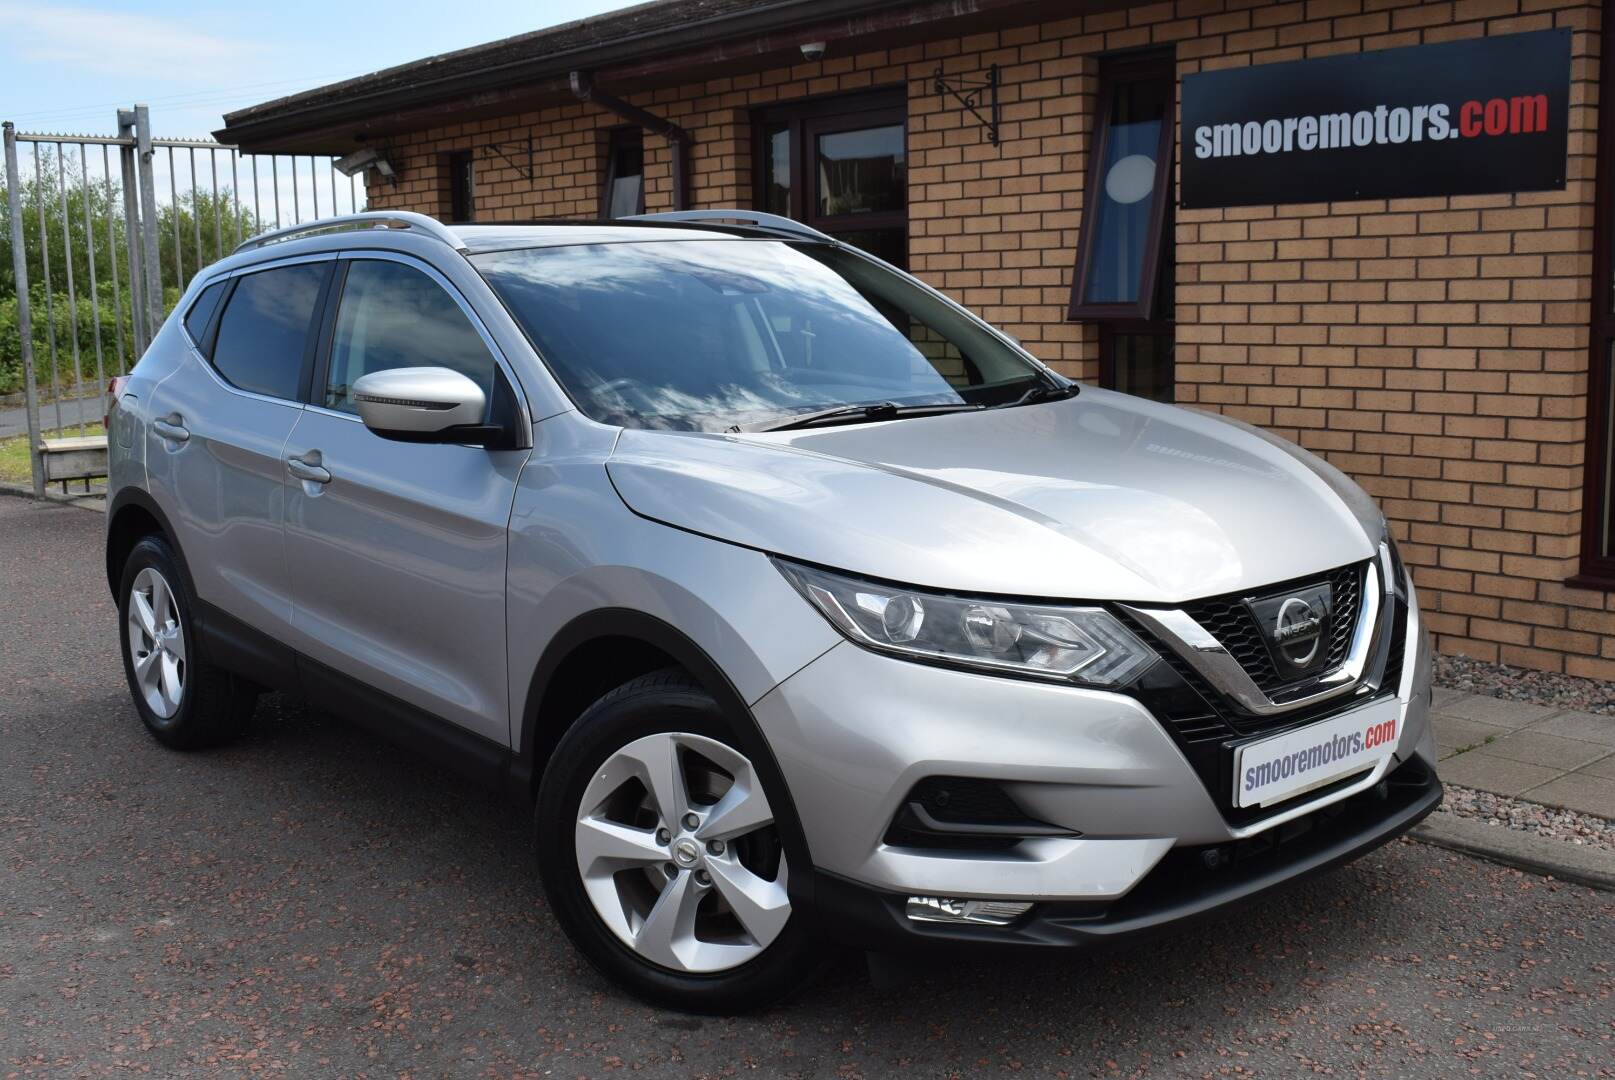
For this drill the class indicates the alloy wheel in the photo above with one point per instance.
(156, 643)
(679, 854)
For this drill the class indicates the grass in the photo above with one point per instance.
(1487, 741)
(14, 465)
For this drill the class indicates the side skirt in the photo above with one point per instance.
(244, 651)
(254, 655)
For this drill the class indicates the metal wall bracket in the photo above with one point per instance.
(974, 95)
(511, 153)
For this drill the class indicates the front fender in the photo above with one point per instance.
(582, 567)
(576, 549)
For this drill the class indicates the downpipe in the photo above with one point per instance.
(583, 88)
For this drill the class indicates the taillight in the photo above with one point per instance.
(115, 388)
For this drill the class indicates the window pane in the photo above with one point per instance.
(777, 170)
(862, 172)
(625, 194)
(1127, 182)
(264, 329)
(1143, 365)
(462, 186)
(1606, 523)
(888, 244)
(201, 311)
(394, 316)
(705, 334)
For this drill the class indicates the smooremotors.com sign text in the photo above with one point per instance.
(1459, 118)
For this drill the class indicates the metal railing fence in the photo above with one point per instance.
(104, 234)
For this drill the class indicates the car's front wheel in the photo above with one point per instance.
(183, 700)
(661, 853)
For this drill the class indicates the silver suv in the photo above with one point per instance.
(798, 603)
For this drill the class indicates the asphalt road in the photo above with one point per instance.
(307, 903)
(14, 418)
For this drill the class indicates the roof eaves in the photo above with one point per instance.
(418, 83)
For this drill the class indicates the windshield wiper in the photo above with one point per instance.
(877, 410)
(1044, 392)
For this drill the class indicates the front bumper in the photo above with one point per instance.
(854, 731)
(1178, 890)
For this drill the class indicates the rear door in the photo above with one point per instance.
(398, 549)
(220, 424)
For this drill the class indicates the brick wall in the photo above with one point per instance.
(995, 226)
(1435, 349)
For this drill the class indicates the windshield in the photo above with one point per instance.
(709, 335)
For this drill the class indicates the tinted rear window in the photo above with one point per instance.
(196, 319)
(265, 327)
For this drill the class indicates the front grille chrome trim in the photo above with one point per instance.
(1202, 651)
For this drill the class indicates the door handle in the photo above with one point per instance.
(172, 427)
(308, 468)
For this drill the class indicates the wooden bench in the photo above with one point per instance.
(82, 457)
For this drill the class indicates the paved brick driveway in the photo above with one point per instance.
(309, 904)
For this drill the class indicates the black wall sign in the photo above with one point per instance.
(1461, 118)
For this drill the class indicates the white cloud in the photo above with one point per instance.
(119, 43)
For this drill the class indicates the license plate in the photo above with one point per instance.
(1285, 765)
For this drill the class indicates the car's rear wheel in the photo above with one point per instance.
(661, 853)
(182, 699)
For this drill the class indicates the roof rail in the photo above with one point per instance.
(374, 219)
(755, 218)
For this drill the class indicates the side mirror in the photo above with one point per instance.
(424, 404)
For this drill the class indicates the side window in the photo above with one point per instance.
(264, 330)
(394, 316)
(201, 312)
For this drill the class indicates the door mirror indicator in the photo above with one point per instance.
(425, 404)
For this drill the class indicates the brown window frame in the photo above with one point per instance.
(615, 137)
(805, 121)
(462, 169)
(1112, 73)
(1110, 331)
(1597, 571)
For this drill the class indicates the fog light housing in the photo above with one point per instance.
(947, 909)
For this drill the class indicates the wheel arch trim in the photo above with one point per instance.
(627, 623)
(139, 498)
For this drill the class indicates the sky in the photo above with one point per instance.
(66, 68)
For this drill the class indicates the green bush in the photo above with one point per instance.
(202, 224)
(69, 322)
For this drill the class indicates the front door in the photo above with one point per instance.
(841, 166)
(397, 550)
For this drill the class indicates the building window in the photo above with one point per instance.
(462, 186)
(624, 192)
(1598, 524)
(1136, 361)
(841, 166)
(1124, 275)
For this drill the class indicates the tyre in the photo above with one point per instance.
(183, 700)
(660, 851)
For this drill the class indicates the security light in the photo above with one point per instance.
(366, 157)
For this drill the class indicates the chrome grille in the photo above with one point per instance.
(1229, 620)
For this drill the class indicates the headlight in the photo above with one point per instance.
(1086, 645)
